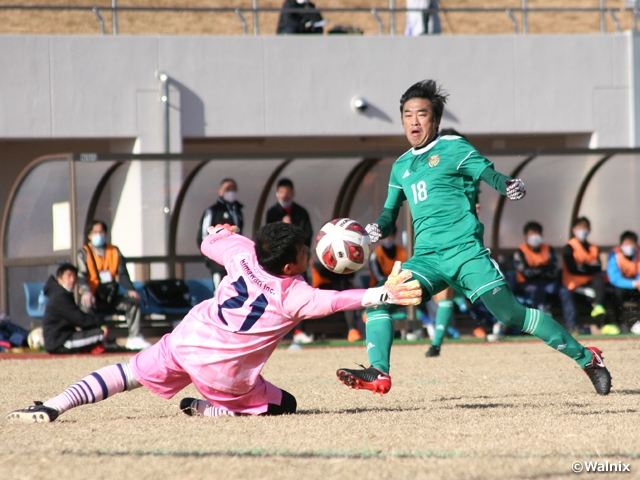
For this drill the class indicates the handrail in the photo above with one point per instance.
(97, 12)
(602, 10)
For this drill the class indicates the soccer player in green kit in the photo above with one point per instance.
(437, 179)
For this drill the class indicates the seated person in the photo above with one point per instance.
(299, 22)
(581, 268)
(101, 268)
(66, 328)
(624, 272)
(536, 267)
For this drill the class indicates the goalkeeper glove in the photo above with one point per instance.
(515, 189)
(374, 231)
(396, 290)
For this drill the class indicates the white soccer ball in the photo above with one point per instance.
(35, 339)
(343, 245)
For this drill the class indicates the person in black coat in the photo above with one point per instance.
(66, 328)
(287, 211)
(301, 21)
(227, 209)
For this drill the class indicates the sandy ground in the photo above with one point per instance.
(208, 23)
(505, 411)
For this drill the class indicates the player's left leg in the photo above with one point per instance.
(93, 388)
(195, 407)
(505, 307)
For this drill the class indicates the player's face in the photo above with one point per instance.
(419, 122)
(302, 261)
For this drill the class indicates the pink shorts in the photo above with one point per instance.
(157, 370)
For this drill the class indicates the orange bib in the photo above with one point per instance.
(533, 258)
(97, 264)
(580, 255)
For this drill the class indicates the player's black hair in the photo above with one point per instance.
(277, 244)
(92, 224)
(580, 220)
(64, 268)
(431, 91)
(284, 182)
(628, 234)
(532, 226)
(227, 179)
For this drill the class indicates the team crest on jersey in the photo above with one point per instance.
(433, 161)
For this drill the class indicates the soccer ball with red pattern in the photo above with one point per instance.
(343, 245)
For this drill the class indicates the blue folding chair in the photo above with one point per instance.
(36, 300)
(200, 289)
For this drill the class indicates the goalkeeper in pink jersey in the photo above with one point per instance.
(222, 344)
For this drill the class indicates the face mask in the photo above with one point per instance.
(98, 240)
(628, 250)
(286, 204)
(388, 243)
(230, 196)
(534, 241)
(581, 234)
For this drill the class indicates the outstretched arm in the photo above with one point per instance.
(512, 188)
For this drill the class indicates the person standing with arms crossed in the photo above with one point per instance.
(438, 179)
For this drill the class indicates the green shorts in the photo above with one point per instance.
(468, 268)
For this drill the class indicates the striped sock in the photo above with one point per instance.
(95, 387)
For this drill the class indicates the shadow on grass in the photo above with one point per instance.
(358, 410)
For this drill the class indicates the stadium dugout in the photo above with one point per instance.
(55, 196)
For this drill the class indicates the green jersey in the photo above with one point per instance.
(439, 182)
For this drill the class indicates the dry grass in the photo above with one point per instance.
(171, 23)
(505, 411)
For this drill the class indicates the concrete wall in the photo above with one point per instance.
(89, 87)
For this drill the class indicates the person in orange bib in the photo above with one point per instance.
(581, 269)
(536, 267)
(623, 270)
(101, 269)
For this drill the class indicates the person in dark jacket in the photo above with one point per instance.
(66, 328)
(301, 21)
(227, 209)
(287, 211)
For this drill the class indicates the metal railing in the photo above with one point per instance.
(255, 10)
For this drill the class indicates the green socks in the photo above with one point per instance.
(556, 336)
(443, 319)
(379, 337)
(506, 308)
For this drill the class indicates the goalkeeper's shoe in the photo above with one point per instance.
(598, 373)
(434, 351)
(367, 378)
(37, 413)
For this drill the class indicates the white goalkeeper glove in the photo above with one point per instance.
(374, 231)
(397, 290)
(515, 189)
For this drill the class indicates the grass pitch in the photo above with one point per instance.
(508, 410)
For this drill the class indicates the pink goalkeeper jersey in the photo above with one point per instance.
(225, 342)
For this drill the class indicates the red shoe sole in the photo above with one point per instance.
(358, 384)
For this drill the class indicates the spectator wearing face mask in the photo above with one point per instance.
(581, 270)
(227, 209)
(288, 211)
(623, 269)
(536, 267)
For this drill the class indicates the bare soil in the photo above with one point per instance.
(501, 411)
